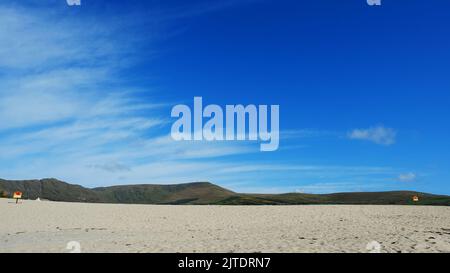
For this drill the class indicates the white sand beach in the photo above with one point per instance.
(34, 226)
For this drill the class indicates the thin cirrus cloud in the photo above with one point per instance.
(60, 92)
(65, 113)
(407, 177)
(380, 135)
(55, 68)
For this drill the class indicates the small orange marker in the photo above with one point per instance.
(17, 195)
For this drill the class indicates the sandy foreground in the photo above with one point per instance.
(49, 226)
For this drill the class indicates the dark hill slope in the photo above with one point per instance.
(192, 193)
(50, 189)
(55, 190)
(351, 198)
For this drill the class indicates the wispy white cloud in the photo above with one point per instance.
(111, 167)
(60, 95)
(335, 187)
(407, 177)
(379, 135)
(64, 112)
(31, 39)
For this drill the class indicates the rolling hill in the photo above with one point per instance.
(55, 190)
(202, 193)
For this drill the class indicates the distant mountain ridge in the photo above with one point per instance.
(202, 193)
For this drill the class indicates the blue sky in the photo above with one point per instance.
(86, 92)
